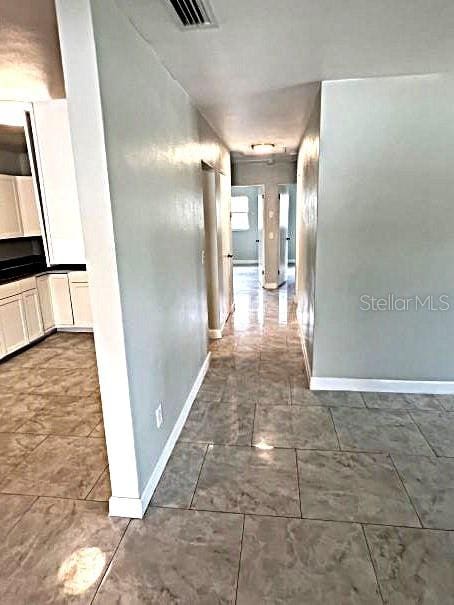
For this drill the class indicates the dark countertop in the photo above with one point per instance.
(11, 271)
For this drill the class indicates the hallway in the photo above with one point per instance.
(331, 495)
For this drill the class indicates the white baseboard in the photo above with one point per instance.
(73, 329)
(215, 334)
(270, 285)
(136, 507)
(429, 387)
(241, 263)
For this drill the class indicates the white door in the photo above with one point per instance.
(10, 220)
(54, 156)
(13, 323)
(260, 243)
(28, 206)
(283, 237)
(225, 218)
(33, 314)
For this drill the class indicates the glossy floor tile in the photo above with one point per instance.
(248, 480)
(294, 427)
(397, 401)
(221, 422)
(178, 482)
(379, 431)
(299, 562)
(430, 485)
(344, 486)
(438, 429)
(58, 552)
(413, 565)
(176, 556)
(67, 467)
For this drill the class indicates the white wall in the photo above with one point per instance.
(141, 197)
(270, 175)
(385, 226)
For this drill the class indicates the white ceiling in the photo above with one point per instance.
(249, 76)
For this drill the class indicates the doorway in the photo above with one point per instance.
(287, 231)
(218, 254)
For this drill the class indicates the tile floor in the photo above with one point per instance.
(273, 494)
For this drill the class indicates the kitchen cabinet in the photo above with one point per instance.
(57, 177)
(80, 299)
(10, 218)
(45, 299)
(61, 299)
(13, 323)
(28, 206)
(33, 317)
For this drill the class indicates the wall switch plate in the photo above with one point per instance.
(158, 413)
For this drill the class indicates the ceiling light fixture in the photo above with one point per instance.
(263, 148)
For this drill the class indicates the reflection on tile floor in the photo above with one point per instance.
(273, 494)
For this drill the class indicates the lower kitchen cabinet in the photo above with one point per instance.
(33, 317)
(61, 300)
(45, 299)
(32, 307)
(13, 323)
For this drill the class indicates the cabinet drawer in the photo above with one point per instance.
(17, 287)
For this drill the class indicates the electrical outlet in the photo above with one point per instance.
(158, 413)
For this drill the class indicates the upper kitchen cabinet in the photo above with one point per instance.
(28, 206)
(56, 174)
(10, 217)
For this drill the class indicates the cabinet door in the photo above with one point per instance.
(28, 206)
(13, 323)
(45, 301)
(81, 305)
(2, 343)
(61, 299)
(10, 221)
(54, 156)
(33, 315)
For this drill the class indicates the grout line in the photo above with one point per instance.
(422, 434)
(110, 563)
(372, 563)
(406, 490)
(239, 560)
(298, 483)
(335, 429)
(198, 476)
(96, 483)
(253, 424)
(305, 518)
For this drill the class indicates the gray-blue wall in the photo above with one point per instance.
(244, 242)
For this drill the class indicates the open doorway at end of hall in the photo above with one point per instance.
(287, 231)
(247, 228)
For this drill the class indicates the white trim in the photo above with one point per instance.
(136, 507)
(430, 387)
(246, 262)
(74, 329)
(215, 334)
(270, 285)
(307, 366)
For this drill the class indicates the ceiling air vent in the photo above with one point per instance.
(193, 14)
